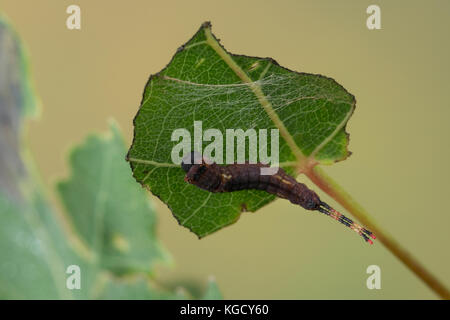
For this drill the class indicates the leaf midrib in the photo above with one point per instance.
(257, 90)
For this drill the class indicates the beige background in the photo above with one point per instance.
(399, 132)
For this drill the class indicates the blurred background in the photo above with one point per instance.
(398, 133)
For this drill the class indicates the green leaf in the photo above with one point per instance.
(204, 82)
(112, 215)
(27, 268)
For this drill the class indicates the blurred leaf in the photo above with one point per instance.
(31, 243)
(110, 224)
(29, 267)
(205, 83)
(212, 291)
(137, 288)
(15, 102)
(112, 214)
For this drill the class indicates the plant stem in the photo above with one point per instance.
(328, 185)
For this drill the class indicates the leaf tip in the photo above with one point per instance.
(206, 25)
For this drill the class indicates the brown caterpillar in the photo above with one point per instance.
(234, 177)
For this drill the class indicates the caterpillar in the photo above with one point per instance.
(212, 177)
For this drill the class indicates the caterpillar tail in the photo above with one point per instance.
(363, 232)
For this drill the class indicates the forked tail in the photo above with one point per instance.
(363, 232)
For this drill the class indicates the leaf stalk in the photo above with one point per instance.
(333, 189)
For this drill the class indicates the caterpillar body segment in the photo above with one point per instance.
(212, 177)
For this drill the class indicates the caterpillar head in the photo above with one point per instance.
(200, 172)
(190, 160)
